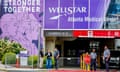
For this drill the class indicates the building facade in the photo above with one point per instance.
(73, 26)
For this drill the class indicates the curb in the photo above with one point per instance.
(3, 69)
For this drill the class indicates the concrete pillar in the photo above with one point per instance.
(117, 43)
(50, 43)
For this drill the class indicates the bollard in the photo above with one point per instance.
(89, 67)
(84, 66)
(17, 61)
(81, 62)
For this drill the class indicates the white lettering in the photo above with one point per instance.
(22, 2)
(37, 2)
(68, 10)
(6, 2)
(10, 9)
(116, 34)
(5, 8)
(93, 19)
(84, 9)
(21, 5)
(52, 10)
(75, 19)
(37, 9)
(21, 9)
(14, 2)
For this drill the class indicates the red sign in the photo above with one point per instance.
(80, 33)
(106, 33)
(97, 33)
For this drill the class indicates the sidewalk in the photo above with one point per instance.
(4, 68)
(39, 70)
(50, 70)
(13, 69)
(53, 70)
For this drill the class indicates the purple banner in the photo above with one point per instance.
(20, 20)
(75, 14)
(97, 10)
(79, 22)
(65, 6)
(53, 24)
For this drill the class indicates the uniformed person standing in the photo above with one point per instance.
(93, 57)
(106, 57)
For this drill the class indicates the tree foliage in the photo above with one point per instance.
(7, 46)
(9, 58)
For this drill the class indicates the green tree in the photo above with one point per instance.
(3, 45)
(7, 46)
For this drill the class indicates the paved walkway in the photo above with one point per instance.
(51, 70)
(2, 67)
(64, 70)
(13, 69)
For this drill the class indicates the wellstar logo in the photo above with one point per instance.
(64, 11)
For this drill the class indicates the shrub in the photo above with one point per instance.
(7, 46)
(33, 60)
(10, 58)
(45, 59)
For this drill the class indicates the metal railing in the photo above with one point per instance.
(63, 62)
(69, 62)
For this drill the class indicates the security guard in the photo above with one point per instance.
(106, 57)
(93, 56)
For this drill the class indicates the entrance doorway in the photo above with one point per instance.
(74, 49)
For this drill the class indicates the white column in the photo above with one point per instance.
(50, 44)
(117, 43)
